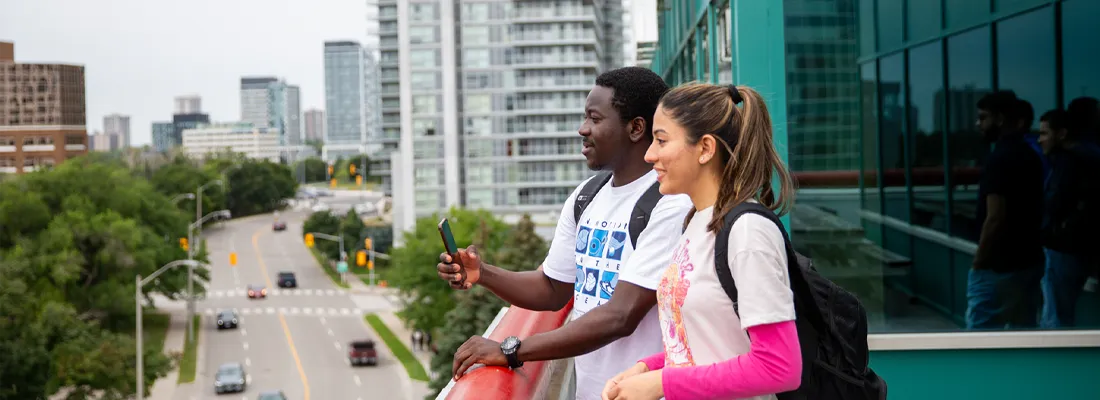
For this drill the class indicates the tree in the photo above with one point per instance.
(413, 264)
(313, 169)
(73, 239)
(259, 186)
(182, 175)
(362, 167)
(323, 222)
(476, 308)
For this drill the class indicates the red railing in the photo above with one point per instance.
(922, 176)
(500, 383)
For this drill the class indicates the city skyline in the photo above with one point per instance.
(141, 75)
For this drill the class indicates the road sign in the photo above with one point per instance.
(342, 267)
(233, 259)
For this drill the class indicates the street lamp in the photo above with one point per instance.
(198, 204)
(339, 239)
(139, 338)
(191, 269)
(189, 196)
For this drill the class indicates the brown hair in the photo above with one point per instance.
(750, 159)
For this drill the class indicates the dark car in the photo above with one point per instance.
(227, 319)
(257, 291)
(230, 378)
(287, 280)
(278, 226)
(272, 395)
(362, 352)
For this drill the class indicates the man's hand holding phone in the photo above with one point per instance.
(462, 273)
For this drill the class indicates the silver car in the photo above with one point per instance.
(230, 378)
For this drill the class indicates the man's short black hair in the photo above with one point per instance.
(1001, 102)
(1083, 115)
(1056, 118)
(637, 91)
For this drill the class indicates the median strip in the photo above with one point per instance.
(323, 263)
(190, 355)
(398, 348)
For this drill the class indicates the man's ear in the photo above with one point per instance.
(637, 129)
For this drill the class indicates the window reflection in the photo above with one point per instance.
(926, 155)
(969, 66)
(891, 92)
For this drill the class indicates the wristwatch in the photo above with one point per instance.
(510, 348)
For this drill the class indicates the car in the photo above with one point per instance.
(272, 395)
(362, 352)
(257, 292)
(227, 319)
(230, 378)
(287, 280)
(278, 226)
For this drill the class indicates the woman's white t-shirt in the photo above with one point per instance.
(698, 322)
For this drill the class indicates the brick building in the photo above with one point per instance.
(42, 117)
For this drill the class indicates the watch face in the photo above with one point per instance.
(510, 344)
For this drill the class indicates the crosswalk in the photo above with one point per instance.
(306, 311)
(276, 292)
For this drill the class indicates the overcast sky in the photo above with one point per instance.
(139, 54)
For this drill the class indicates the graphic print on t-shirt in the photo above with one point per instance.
(671, 293)
(600, 249)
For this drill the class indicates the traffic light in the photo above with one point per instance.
(361, 258)
(309, 240)
(359, 179)
(233, 259)
(332, 183)
(330, 169)
(370, 265)
(367, 243)
(183, 244)
(351, 169)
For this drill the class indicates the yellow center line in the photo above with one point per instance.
(282, 320)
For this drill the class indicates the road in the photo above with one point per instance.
(295, 339)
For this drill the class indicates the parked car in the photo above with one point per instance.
(230, 378)
(257, 291)
(362, 352)
(287, 280)
(227, 319)
(278, 226)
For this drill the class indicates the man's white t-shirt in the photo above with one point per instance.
(698, 321)
(596, 253)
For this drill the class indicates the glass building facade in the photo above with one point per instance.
(876, 111)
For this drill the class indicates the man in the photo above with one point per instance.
(612, 280)
(1070, 217)
(1003, 285)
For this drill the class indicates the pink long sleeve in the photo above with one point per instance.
(772, 365)
(654, 362)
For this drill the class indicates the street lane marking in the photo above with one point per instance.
(320, 310)
(330, 292)
(322, 320)
(270, 310)
(336, 345)
(244, 332)
(246, 345)
(282, 320)
(308, 310)
(330, 333)
(248, 361)
(357, 381)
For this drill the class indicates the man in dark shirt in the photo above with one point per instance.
(1003, 287)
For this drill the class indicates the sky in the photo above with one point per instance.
(140, 54)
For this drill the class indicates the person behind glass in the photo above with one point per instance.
(720, 155)
(1071, 213)
(1003, 288)
(611, 280)
(1025, 116)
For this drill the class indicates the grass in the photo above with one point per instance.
(322, 262)
(190, 355)
(398, 348)
(155, 328)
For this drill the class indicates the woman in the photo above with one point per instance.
(720, 155)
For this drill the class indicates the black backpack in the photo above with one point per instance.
(831, 323)
(639, 218)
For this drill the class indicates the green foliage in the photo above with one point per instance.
(413, 264)
(189, 360)
(398, 348)
(183, 176)
(476, 308)
(257, 187)
(313, 169)
(72, 240)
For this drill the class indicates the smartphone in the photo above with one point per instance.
(448, 238)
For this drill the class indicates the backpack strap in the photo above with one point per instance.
(643, 209)
(587, 193)
(804, 299)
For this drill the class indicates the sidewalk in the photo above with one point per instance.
(165, 388)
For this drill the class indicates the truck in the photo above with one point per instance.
(362, 352)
